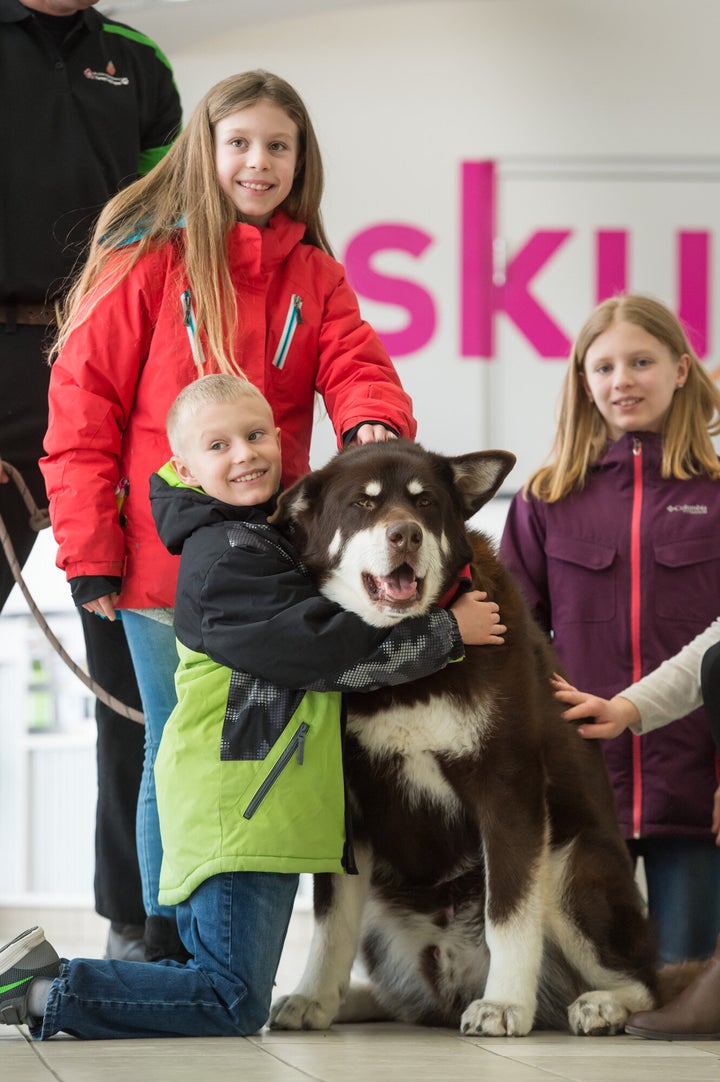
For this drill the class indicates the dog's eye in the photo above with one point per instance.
(365, 502)
(423, 501)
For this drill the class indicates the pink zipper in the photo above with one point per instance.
(635, 614)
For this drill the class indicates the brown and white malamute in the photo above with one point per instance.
(495, 892)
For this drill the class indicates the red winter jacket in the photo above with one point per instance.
(113, 383)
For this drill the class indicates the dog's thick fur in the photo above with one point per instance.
(495, 892)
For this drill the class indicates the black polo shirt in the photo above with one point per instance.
(79, 119)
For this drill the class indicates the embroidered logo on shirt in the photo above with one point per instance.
(688, 508)
(107, 76)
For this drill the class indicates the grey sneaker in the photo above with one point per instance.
(27, 956)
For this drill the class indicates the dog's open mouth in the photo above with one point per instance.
(399, 587)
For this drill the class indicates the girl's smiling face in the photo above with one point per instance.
(632, 377)
(256, 159)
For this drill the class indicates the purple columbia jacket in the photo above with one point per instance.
(622, 575)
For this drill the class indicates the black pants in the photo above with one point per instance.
(120, 751)
(710, 683)
(24, 377)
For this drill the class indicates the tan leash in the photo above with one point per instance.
(39, 519)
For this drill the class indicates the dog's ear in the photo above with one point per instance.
(479, 475)
(296, 507)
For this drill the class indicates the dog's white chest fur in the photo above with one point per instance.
(417, 735)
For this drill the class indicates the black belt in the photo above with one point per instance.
(41, 315)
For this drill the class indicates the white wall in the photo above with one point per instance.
(402, 93)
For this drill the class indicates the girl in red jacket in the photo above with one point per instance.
(217, 260)
(615, 544)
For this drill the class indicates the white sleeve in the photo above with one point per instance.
(673, 689)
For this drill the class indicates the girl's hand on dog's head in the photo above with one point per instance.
(478, 619)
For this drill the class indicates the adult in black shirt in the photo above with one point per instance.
(87, 104)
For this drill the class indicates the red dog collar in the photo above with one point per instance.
(464, 580)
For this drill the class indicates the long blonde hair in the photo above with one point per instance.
(180, 201)
(581, 436)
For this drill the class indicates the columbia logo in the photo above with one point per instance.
(688, 508)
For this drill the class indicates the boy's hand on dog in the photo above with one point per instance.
(611, 716)
(478, 619)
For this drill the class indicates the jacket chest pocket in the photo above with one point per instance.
(687, 579)
(294, 751)
(582, 580)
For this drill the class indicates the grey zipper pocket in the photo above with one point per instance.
(296, 745)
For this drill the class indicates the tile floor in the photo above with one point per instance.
(377, 1052)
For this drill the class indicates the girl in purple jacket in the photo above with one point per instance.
(615, 544)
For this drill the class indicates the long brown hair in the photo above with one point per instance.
(180, 201)
(581, 435)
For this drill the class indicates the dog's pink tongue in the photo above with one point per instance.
(400, 586)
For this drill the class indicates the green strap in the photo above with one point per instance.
(150, 158)
(142, 39)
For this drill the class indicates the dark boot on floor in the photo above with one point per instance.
(693, 1016)
(126, 942)
(162, 941)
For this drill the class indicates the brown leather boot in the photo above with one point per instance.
(694, 1015)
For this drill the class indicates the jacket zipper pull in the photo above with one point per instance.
(292, 320)
(302, 733)
(189, 324)
(637, 445)
(187, 310)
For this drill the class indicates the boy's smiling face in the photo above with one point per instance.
(231, 450)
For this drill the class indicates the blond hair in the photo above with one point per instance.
(180, 201)
(581, 435)
(209, 390)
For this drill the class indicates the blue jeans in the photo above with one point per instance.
(155, 659)
(683, 881)
(234, 927)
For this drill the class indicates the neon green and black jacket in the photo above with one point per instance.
(249, 771)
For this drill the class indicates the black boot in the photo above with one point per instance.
(162, 941)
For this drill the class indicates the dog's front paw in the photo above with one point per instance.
(597, 1014)
(300, 1012)
(490, 1019)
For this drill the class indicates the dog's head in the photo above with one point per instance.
(382, 527)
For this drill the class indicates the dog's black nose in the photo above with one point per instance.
(404, 535)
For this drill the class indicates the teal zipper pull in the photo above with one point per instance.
(292, 320)
(189, 324)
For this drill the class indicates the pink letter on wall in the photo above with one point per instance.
(488, 289)
(693, 287)
(379, 287)
(611, 263)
